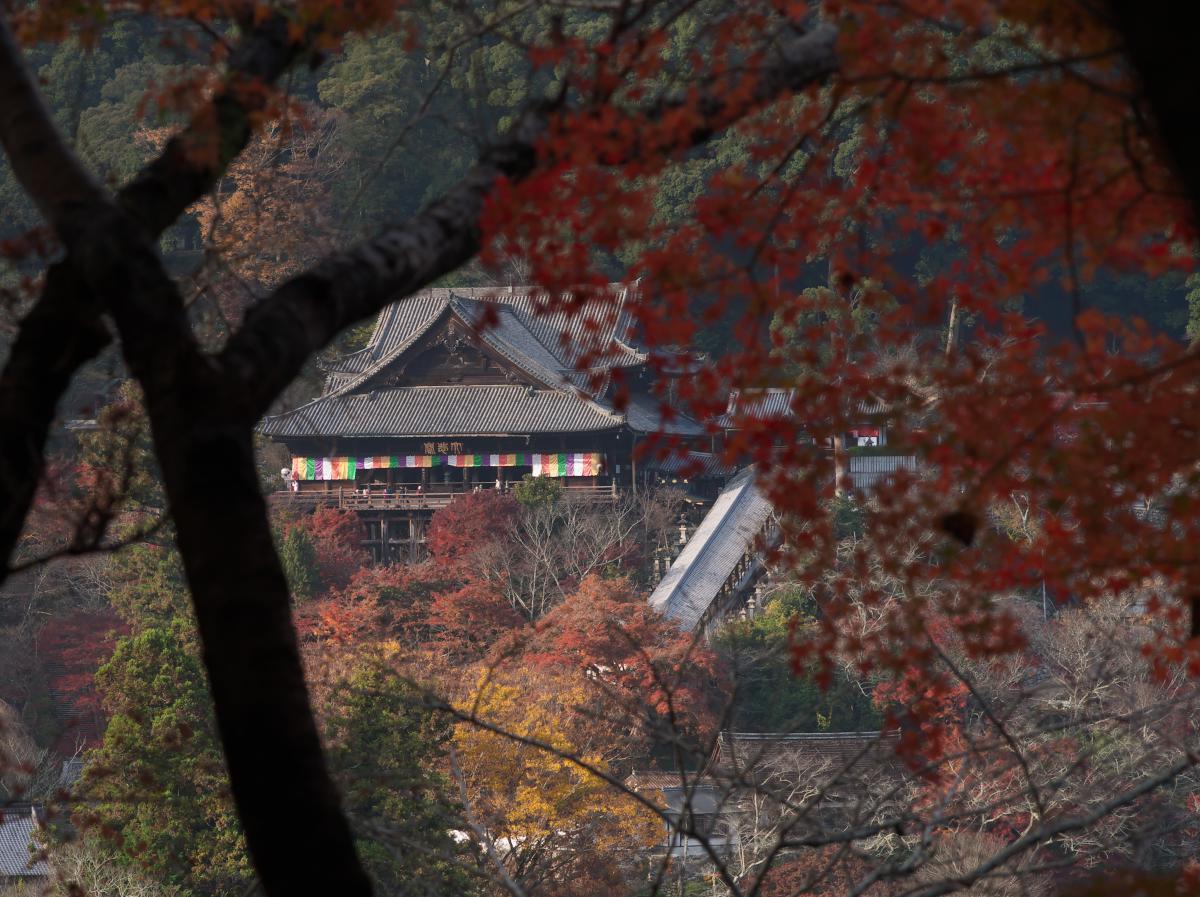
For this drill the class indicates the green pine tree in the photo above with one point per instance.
(299, 559)
(157, 788)
(388, 751)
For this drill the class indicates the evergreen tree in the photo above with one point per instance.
(770, 695)
(388, 751)
(299, 559)
(157, 788)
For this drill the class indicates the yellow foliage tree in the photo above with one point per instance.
(555, 826)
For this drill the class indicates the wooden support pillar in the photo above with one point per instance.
(839, 463)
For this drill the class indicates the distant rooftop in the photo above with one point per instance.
(740, 751)
(17, 837)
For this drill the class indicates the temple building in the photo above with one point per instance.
(464, 390)
(459, 390)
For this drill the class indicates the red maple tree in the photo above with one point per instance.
(71, 648)
(470, 524)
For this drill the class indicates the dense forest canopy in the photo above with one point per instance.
(971, 221)
(389, 124)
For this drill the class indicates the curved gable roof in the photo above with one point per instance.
(517, 325)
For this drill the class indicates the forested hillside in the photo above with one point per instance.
(370, 136)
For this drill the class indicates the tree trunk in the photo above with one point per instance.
(59, 335)
(952, 328)
(297, 834)
(1160, 44)
(839, 464)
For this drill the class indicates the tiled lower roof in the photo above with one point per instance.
(16, 835)
(738, 752)
(648, 415)
(657, 780)
(444, 411)
(775, 403)
(690, 464)
(756, 404)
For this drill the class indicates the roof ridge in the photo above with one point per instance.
(739, 491)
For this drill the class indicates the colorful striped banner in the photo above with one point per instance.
(581, 464)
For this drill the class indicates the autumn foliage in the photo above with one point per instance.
(605, 631)
(1012, 211)
(72, 647)
(600, 678)
(466, 527)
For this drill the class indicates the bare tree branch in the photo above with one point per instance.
(63, 331)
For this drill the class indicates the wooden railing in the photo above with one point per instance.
(406, 501)
(590, 491)
(379, 501)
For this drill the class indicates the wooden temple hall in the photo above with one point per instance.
(460, 390)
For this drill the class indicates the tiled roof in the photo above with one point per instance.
(773, 403)
(512, 339)
(396, 324)
(444, 411)
(656, 779)
(600, 323)
(739, 752)
(647, 415)
(868, 471)
(690, 464)
(16, 835)
(358, 367)
(350, 408)
(759, 404)
(727, 532)
(697, 792)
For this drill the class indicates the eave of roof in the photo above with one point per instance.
(444, 411)
(512, 340)
(353, 382)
